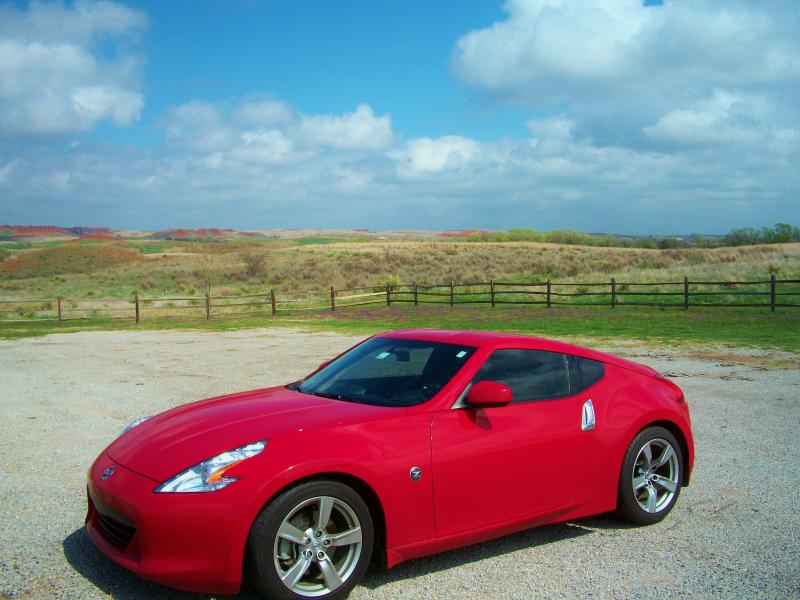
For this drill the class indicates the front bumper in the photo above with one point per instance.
(193, 542)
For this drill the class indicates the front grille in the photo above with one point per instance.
(119, 532)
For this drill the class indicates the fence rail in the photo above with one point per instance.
(772, 293)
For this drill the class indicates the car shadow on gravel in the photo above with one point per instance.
(529, 538)
(121, 584)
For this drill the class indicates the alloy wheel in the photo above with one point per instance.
(318, 546)
(656, 474)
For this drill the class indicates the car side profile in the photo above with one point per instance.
(410, 443)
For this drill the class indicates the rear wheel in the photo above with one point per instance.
(312, 541)
(650, 481)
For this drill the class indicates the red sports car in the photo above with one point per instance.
(410, 443)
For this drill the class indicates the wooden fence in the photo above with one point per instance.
(769, 293)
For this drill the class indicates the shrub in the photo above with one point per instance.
(254, 263)
(393, 281)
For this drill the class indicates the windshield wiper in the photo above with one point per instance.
(326, 395)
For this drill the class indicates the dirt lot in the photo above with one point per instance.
(734, 533)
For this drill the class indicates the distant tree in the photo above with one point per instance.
(668, 243)
(698, 240)
(742, 237)
(782, 233)
(254, 263)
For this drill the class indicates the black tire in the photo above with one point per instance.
(640, 507)
(260, 556)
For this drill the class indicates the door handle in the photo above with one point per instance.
(587, 416)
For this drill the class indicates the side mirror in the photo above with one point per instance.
(488, 394)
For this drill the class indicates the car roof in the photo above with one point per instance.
(492, 339)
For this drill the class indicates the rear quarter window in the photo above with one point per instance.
(584, 372)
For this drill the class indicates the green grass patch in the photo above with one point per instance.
(151, 247)
(729, 327)
(309, 241)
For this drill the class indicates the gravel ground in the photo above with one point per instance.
(734, 533)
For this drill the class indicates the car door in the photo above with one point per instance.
(499, 464)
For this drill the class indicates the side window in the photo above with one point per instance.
(531, 374)
(584, 372)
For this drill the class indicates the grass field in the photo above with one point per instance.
(80, 270)
(730, 327)
(90, 271)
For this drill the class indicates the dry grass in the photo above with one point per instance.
(68, 259)
(118, 269)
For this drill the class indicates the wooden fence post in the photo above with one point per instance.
(491, 284)
(333, 299)
(548, 293)
(772, 285)
(59, 308)
(272, 301)
(136, 306)
(208, 306)
(416, 296)
(388, 295)
(685, 293)
(613, 293)
(452, 293)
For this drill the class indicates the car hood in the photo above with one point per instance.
(172, 441)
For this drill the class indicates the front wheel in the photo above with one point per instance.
(651, 477)
(312, 541)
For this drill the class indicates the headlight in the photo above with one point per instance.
(209, 475)
(133, 424)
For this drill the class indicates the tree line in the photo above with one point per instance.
(781, 233)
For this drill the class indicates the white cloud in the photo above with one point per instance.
(618, 66)
(359, 130)
(559, 128)
(7, 169)
(425, 156)
(272, 131)
(552, 49)
(198, 126)
(723, 118)
(263, 112)
(53, 78)
(263, 146)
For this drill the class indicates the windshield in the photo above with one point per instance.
(388, 372)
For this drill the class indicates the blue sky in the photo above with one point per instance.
(325, 57)
(613, 115)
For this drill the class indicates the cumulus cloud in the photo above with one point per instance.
(261, 112)
(550, 50)
(273, 131)
(723, 118)
(55, 79)
(425, 156)
(359, 130)
(620, 66)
